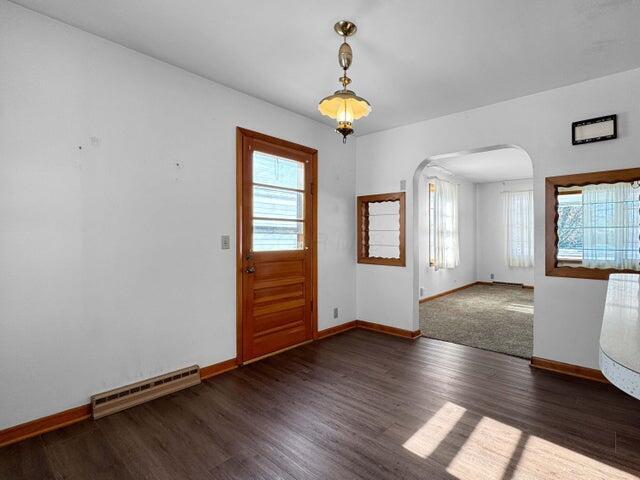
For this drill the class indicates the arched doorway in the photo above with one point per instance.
(484, 296)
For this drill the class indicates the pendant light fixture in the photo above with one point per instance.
(344, 105)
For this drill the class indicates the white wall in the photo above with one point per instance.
(110, 263)
(434, 281)
(491, 233)
(568, 312)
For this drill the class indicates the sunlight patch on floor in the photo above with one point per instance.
(545, 459)
(521, 308)
(497, 451)
(488, 449)
(426, 440)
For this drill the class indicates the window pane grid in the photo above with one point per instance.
(277, 171)
(278, 203)
(274, 235)
(258, 184)
(269, 202)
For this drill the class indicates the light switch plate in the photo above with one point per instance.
(225, 242)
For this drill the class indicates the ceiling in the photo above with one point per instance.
(413, 59)
(491, 166)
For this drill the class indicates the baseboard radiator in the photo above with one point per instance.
(508, 284)
(118, 399)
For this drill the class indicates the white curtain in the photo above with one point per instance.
(518, 221)
(447, 251)
(610, 226)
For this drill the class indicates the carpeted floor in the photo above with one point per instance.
(492, 317)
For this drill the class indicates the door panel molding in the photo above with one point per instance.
(291, 150)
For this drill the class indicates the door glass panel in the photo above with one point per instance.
(273, 235)
(277, 171)
(277, 203)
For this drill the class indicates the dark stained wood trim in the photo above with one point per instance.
(551, 219)
(271, 354)
(550, 222)
(314, 243)
(569, 192)
(276, 141)
(362, 202)
(442, 294)
(45, 424)
(239, 234)
(376, 327)
(55, 421)
(242, 134)
(398, 332)
(568, 369)
(604, 176)
(327, 332)
(218, 368)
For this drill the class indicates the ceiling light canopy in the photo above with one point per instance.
(344, 105)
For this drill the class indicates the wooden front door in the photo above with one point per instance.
(277, 244)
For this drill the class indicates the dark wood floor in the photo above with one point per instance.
(358, 405)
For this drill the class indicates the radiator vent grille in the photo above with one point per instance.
(128, 396)
(508, 284)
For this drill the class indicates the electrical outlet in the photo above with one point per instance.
(492, 276)
(335, 312)
(403, 185)
(225, 242)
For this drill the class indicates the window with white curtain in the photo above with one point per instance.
(432, 223)
(592, 224)
(518, 221)
(598, 226)
(444, 251)
(610, 226)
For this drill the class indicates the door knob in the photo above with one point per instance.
(250, 269)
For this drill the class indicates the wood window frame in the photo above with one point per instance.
(363, 237)
(551, 220)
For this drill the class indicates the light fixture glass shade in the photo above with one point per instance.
(344, 106)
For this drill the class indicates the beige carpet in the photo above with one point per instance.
(492, 317)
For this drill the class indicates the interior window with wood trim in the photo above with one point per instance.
(381, 229)
(593, 224)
